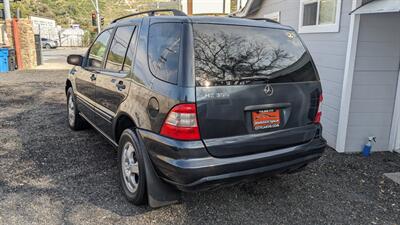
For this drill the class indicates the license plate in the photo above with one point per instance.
(266, 119)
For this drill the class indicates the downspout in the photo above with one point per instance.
(251, 7)
(17, 43)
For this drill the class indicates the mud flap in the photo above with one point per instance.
(159, 193)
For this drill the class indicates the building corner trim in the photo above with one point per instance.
(348, 79)
(394, 141)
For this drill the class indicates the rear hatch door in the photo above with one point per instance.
(256, 89)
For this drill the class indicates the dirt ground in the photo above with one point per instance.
(51, 175)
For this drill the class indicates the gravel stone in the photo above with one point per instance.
(52, 175)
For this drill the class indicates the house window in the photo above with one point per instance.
(318, 16)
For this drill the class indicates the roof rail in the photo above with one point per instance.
(152, 13)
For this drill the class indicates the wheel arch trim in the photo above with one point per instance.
(117, 119)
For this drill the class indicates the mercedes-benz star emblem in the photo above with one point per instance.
(268, 90)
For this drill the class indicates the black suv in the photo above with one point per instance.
(195, 102)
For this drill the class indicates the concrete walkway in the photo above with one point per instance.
(56, 59)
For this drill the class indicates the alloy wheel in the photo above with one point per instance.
(130, 167)
(71, 111)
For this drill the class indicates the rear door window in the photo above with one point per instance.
(98, 50)
(130, 54)
(121, 50)
(237, 55)
(164, 50)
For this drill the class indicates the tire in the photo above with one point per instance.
(75, 121)
(47, 46)
(131, 168)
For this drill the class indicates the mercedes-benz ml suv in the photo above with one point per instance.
(195, 102)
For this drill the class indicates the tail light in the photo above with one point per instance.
(317, 118)
(181, 123)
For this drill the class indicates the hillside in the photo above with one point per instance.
(66, 12)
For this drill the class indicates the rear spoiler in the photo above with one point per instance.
(264, 19)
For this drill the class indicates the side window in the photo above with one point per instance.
(164, 50)
(121, 50)
(98, 50)
(131, 52)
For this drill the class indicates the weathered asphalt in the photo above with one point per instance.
(51, 175)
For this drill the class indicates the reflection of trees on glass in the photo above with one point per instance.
(231, 54)
(116, 55)
(168, 52)
(119, 48)
(327, 12)
(164, 50)
(97, 54)
(98, 50)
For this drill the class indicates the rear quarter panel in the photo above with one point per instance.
(145, 87)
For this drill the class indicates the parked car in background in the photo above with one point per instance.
(49, 44)
(196, 102)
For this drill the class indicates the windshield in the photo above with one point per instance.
(234, 55)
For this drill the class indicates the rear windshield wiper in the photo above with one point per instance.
(246, 80)
(256, 78)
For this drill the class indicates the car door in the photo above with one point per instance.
(85, 76)
(113, 83)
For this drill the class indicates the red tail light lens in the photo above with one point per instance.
(317, 118)
(181, 123)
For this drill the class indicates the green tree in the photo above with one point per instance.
(66, 12)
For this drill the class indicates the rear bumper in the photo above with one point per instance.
(189, 167)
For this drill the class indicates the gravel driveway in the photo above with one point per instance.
(51, 175)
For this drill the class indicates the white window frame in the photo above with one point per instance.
(274, 16)
(319, 28)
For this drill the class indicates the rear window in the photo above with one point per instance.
(237, 55)
(164, 50)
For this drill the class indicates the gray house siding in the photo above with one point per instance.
(329, 53)
(375, 81)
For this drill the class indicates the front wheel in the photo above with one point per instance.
(75, 121)
(132, 168)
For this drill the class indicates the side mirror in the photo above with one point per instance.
(75, 60)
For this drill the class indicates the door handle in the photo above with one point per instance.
(93, 77)
(120, 86)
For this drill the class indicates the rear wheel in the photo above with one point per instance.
(75, 121)
(132, 168)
